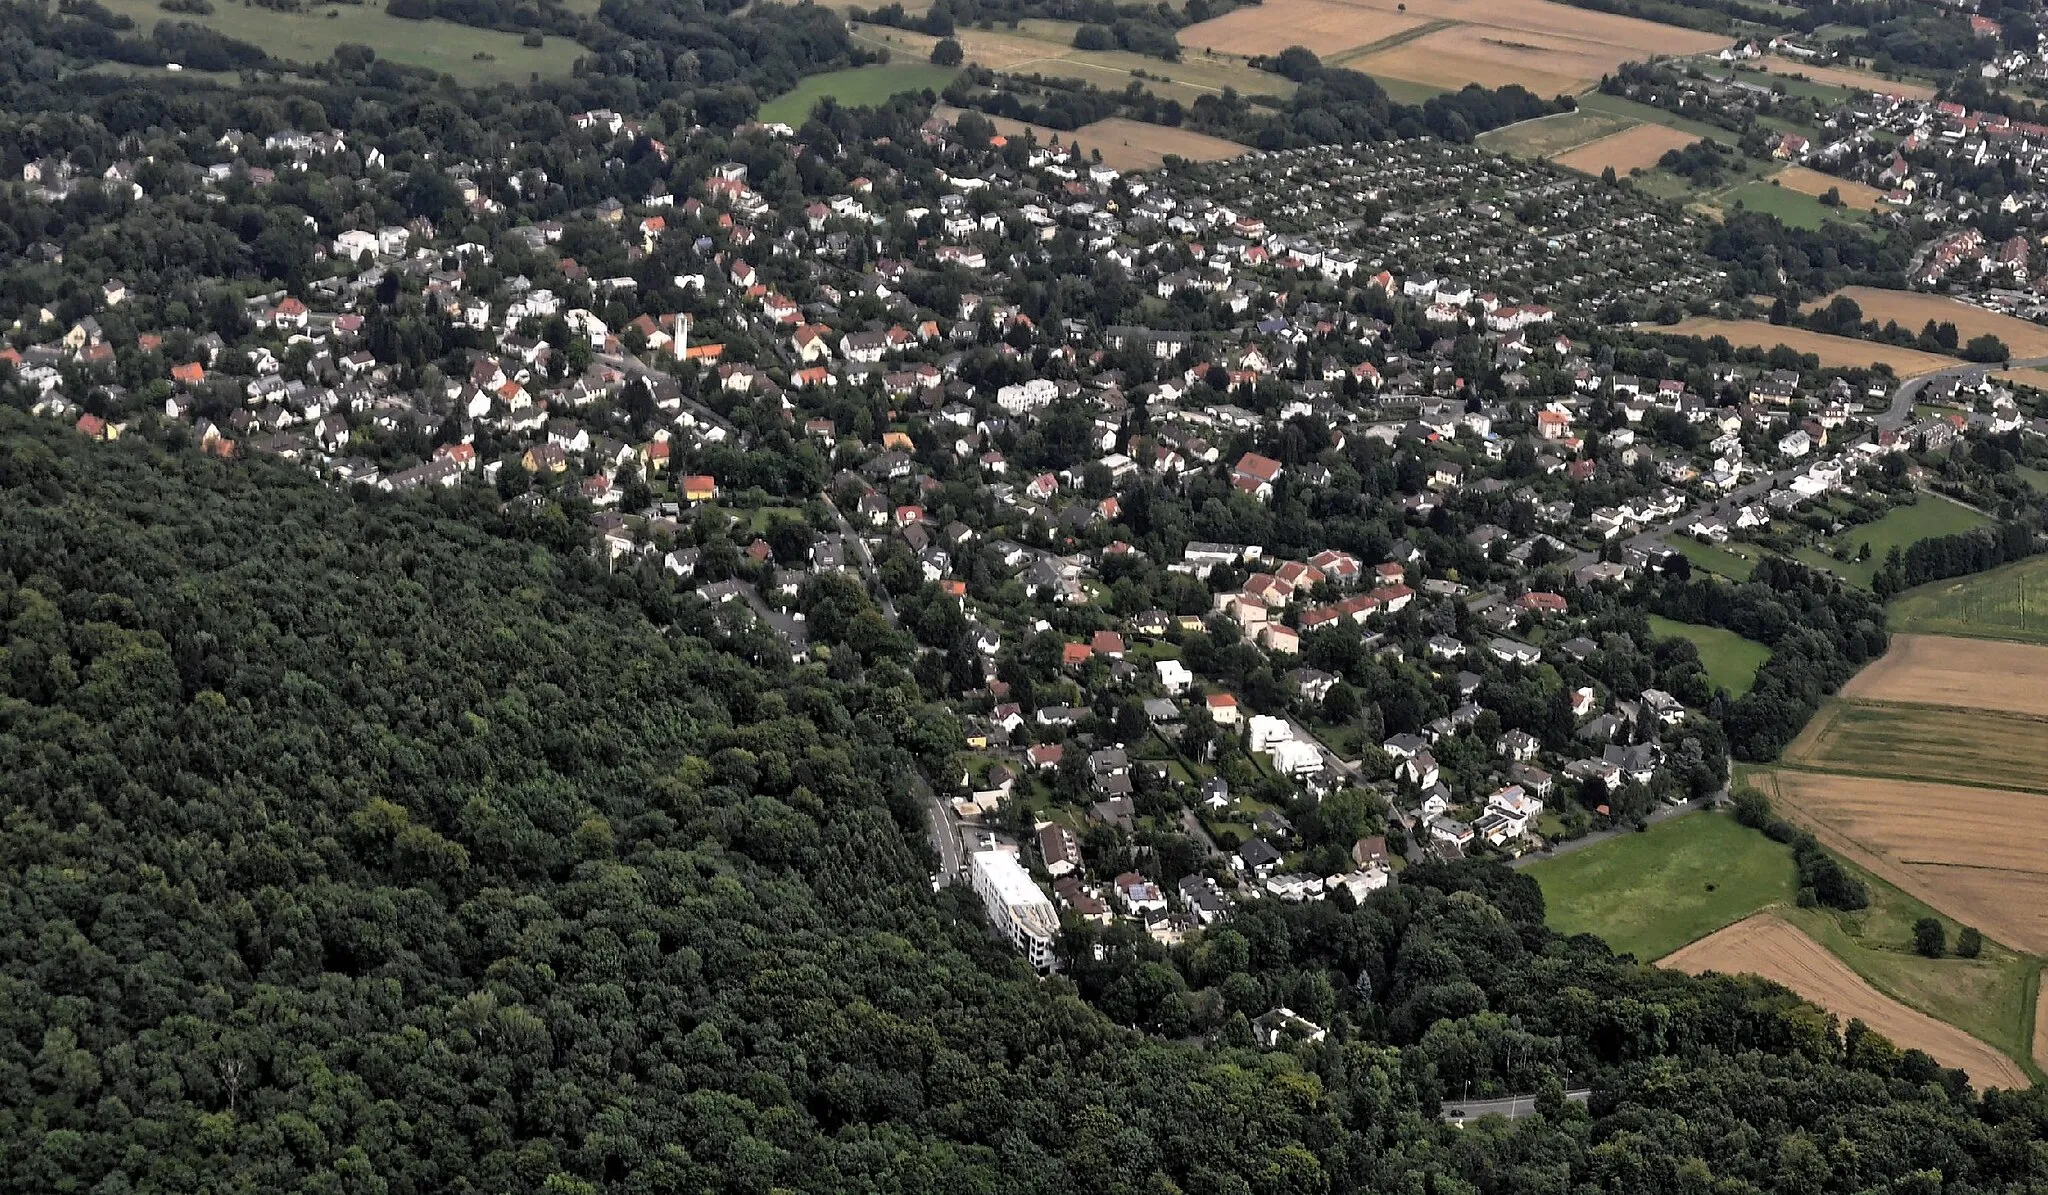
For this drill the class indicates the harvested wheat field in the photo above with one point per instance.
(1135, 145)
(1913, 310)
(1627, 150)
(1766, 946)
(1843, 351)
(1968, 673)
(1978, 854)
(1861, 196)
(1329, 27)
(1548, 48)
(1854, 80)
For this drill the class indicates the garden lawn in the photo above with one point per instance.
(1719, 561)
(1648, 894)
(1795, 209)
(860, 87)
(1731, 660)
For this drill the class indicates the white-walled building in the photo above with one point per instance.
(1015, 905)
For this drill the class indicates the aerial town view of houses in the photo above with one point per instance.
(1643, 491)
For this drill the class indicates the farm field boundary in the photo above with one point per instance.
(1843, 351)
(2008, 603)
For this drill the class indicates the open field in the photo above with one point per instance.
(1806, 181)
(1794, 207)
(1648, 894)
(1639, 147)
(1135, 145)
(1979, 855)
(860, 87)
(1854, 80)
(1964, 673)
(1600, 101)
(1990, 997)
(2041, 1028)
(1551, 135)
(1832, 350)
(1125, 144)
(1329, 28)
(1731, 661)
(1548, 48)
(1924, 742)
(1046, 47)
(2005, 603)
(311, 36)
(1912, 310)
(1776, 950)
(1901, 527)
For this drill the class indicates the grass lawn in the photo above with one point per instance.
(1730, 659)
(1648, 894)
(1551, 135)
(860, 87)
(1594, 101)
(2036, 479)
(1903, 525)
(1717, 560)
(2005, 603)
(1991, 996)
(1795, 209)
(311, 36)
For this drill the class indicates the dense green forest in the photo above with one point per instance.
(377, 844)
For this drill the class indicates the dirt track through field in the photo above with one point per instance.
(1766, 946)
(1967, 673)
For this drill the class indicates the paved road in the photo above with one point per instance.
(1514, 1107)
(945, 829)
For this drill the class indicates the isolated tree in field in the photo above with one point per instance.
(947, 53)
(1969, 943)
(1929, 938)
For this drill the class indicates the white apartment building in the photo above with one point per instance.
(1015, 905)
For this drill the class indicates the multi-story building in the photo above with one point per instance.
(1015, 905)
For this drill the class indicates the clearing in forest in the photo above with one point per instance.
(1766, 946)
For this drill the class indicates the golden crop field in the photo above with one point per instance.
(1125, 144)
(1968, 673)
(1628, 150)
(1842, 351)
(1912, 310)
(1329, 27)
(1839, 76)
(1807, 181)
(1135, 145)
(1978, 854)
(1767, 946)
(1548, 48)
